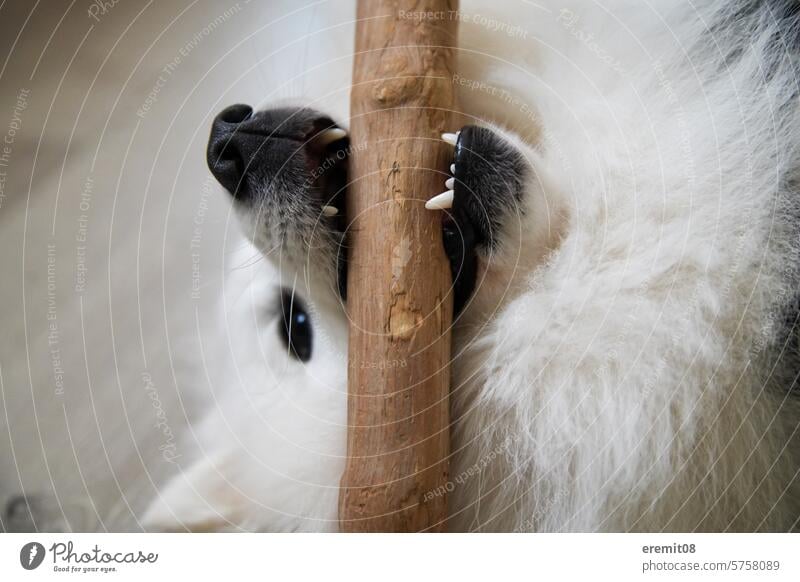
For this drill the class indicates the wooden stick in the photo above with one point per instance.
(399, 302)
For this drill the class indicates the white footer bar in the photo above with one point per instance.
(389, 557)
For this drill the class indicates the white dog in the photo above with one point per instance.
(625, 344)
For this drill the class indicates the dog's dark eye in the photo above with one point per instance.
(295, 326)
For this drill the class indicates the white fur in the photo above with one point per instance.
(613, 371)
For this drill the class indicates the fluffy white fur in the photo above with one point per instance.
(616, 369)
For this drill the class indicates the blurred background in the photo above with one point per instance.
(114, 238)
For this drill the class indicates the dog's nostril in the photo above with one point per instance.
(228, 149)
(235, 114)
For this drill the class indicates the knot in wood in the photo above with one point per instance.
(396, 85)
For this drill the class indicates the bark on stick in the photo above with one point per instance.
(399, 300)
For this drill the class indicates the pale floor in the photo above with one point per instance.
(114, 238)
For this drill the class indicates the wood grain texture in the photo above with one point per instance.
(399, 300)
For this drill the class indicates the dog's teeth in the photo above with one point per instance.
(450, 183)
(330, 210)
(331, 135)
(440, 202)
(450, 138)
(452, 169)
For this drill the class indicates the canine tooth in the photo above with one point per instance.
(441, 201)
(450, 138)
(450, 183)
(331, 135)
(452, 168)
(330, 210)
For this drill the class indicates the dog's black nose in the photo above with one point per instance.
(235, 114)
(230, 149)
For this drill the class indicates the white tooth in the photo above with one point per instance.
(450, 183)
(331, 135)
(330, 210)
(452, 168)
(440, 202)
(450, 138)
